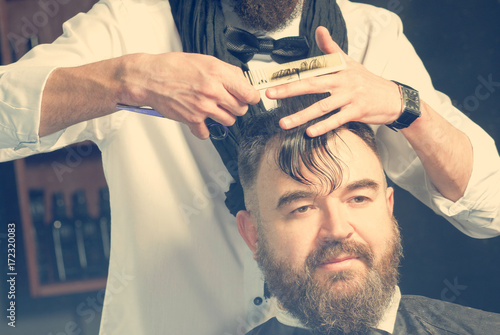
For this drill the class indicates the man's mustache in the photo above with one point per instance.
(334, 249)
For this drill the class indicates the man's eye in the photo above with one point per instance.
(301, 210)
(359, 199)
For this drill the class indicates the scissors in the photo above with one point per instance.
(217, 131)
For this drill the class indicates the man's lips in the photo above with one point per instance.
(339, 259)
(339, 256)
(339, 262)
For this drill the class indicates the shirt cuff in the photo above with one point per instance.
(476, 212)
(20, 117)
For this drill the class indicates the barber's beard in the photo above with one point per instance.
(267, 15)
(344, 302)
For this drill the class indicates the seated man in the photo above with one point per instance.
(320, 224)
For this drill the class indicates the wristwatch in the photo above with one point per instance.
(410, 107)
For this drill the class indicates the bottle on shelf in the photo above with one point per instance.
(105, 220)
(89, 238)
(42, 236)
(65, 242)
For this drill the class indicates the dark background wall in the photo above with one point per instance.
(459, 42)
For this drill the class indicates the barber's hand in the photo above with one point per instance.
(360, 95)
(188, 88)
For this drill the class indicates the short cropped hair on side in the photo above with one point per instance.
(295, 149)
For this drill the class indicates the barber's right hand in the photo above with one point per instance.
(187, 88)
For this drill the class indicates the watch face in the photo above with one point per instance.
(412, 101)
(411, 108)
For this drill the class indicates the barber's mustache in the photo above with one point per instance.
(334, 249)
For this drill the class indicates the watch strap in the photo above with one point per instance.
(410, 105)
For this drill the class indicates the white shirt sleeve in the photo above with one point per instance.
(110, 29)
(376, 39)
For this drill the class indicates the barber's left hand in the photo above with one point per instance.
(359, 94)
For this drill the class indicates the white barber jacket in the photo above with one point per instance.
(178, 264)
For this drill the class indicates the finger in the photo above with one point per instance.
(238, 86)
(223, 117)
(199, 130)
(231, 104)
(333, 122)
(325, 41)
(320, 84)
(316, 110)
(195, 111)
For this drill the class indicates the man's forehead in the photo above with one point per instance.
(351, 152)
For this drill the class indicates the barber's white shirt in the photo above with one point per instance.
(178, 264)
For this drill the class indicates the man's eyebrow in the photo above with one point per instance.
(292, 196)
(363, 183)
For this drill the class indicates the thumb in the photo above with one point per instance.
(325, 41)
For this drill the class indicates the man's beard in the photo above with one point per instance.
(267, 15)
(344, 302)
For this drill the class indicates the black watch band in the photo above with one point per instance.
(410, 107)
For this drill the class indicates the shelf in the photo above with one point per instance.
(65, 170)
(72, 287)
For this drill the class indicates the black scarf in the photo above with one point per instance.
(201, 25)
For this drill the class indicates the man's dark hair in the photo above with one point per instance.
(295, 147)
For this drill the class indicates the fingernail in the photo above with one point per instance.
(312, 132)
(285, 123)
(271, 91)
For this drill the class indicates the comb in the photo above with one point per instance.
(274, 75)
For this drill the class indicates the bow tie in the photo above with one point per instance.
(245, 45)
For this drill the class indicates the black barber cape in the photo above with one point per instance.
(416, 316)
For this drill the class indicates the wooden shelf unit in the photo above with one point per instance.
(56, 172)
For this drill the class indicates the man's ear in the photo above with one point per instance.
(389, 193)
(247, 226)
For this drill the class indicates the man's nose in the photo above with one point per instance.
(336, 224)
